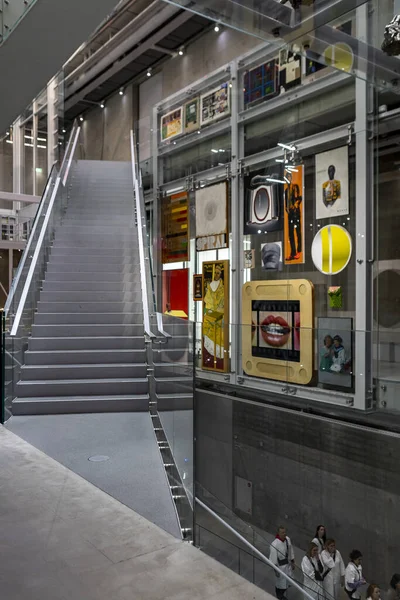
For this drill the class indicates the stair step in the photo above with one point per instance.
(77, 387)
(89, 318)
(86, 343)
(52, 405)
(82, 330)
(92, 276)
(95, 267)
(128, 261)
(87, 307)
(114, 296)
(73, 251)
(84, 357)
(174, 402)
(92, 286)
(93, 371)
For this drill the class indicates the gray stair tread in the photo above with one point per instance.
(80, 398)
(87, 337)
(174, 379)
(50, 366)
(172, 396)
(102, 350)
(79, 381)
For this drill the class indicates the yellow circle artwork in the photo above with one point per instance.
(331, 249)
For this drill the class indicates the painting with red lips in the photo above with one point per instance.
(276, 330)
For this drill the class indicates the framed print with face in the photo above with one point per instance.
(192, 115)
(215, 104)
(263, 204)
(335, 352)
(261, 83)
(197, 287)
(271, 256)
(175, 228)
(277, 333)
(293, 245)
(212, 217)
(249, 259)
(171, 124)
(332, 183)
(215, 329)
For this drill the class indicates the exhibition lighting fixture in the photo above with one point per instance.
(216, 28)
(286, 147)
(9, 141)
(181, 51)
(81, 119)
(39, 146)
(42, 139)
(29, 145)
(148, 72)
(64, 131)
(121, 92)
(28, 137)
(272, 180)
(213, 150)
(102, 105)
(286, 180)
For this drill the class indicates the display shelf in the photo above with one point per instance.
(192, 139)
(184, 183)
(321, 86)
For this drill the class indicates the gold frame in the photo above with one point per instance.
(268, 368)
(215, 317)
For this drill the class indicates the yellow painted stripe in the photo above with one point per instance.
(325, 249)
(340, 249)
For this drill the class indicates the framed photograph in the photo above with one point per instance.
(293, 245)
(175, 228)
(289, 69)
(271, 256)
(197, 287)
(215, 329)
(192, 115)
(335, 352)
(278, 341)
(249, 259)
(171, 124)
(263, 204)
(261, 83)
(215, 104)
(332, 183)
(212, 217)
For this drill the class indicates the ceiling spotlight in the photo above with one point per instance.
(181, 51)
(121, 92)
(102, 105)
(216, 28)
(81, 119)
(64, 131)
(148, 72)
(287, 147)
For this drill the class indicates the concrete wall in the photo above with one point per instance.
(305, 471)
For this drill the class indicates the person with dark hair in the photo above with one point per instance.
(339, 358)
(314, 573)
(333, 561)
(282, 556)
(373, 592)
(331, 189)
(394, 590)
(320, 538)
(293, 200)
(353, 576)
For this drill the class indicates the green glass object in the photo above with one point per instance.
(335, 297)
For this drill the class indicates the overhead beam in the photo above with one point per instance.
(25, 198)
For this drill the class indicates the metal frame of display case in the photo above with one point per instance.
(362, 398)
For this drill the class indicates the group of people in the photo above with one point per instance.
(324, 571)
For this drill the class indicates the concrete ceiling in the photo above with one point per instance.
(41, 43)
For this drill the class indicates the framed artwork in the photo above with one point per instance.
(171, 124)
(192, 115)
(197, 287)
(175, 228)
(335, 352)
(249, 259)
(293, 245)
(289, 69)
(261, 83)
(271, 256)
(215, 104)
(331, 249)
(332, 183)
(215, 329)
(212, 217)
(278, 342)
(263, 204)
(175, 297)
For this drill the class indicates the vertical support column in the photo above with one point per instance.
(157, 180)
(34, 142)
(18, 158)
(235, 221)
(52, 124)
(10, 267)
(364, 243)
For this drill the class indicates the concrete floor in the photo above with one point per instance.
(61, 538)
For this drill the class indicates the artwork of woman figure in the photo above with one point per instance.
(213, 322)
(325, 354)
(293, 201)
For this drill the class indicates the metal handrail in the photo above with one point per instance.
(140, 225)
(28, 245)
(71, 156)
(32, 266)
(254, 550)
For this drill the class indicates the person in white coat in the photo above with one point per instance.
(282, 556)
(313, 573)
(333, 563)
(320, 538)
(353, 577)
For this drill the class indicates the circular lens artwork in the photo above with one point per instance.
(331, 249)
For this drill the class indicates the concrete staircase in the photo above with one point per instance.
(87, 349)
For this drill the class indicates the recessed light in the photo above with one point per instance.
(216, 28)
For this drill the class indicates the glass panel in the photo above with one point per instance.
(28, 149)
(12, 13)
